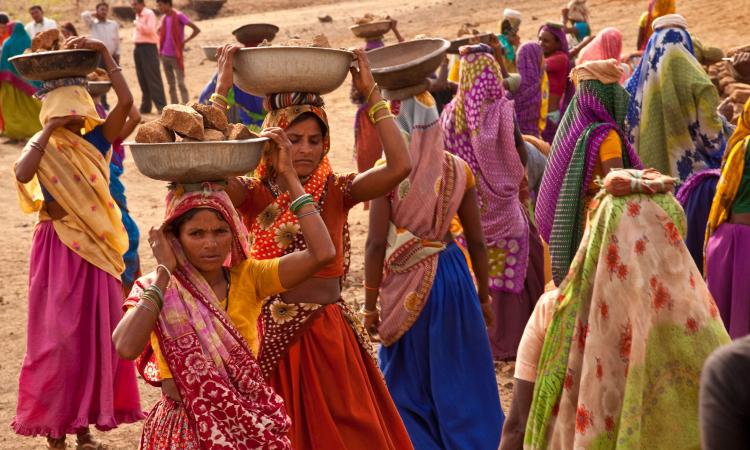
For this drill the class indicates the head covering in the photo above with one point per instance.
(596, 109)
(283, 110)
(606, 45)
(513, 16)
(93, 227)
(732, 171)
(528, 99)
(607, 71)
(204, 350)
(670, 86)
(478, 126)
(15, 45)
(670, 21)
(557, 30)
(633, 310)
(422, 207)
(578, 11)
(656, 9)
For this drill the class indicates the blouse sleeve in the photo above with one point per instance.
(344, 184)
(611, 147)
(265, 275)
(470, 180)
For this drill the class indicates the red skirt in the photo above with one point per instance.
(168, 427)
(334, 392)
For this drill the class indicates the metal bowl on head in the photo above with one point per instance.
(207, 8)
(196, 162)
(253, 34)
(210, 51)
(371, 30)
(406, 64)
(44, 66)
(456, 44)
(98, 88)
(270, 70)
(124, 13)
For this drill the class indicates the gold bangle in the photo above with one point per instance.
(381, 118)
(374, 86)
(215, 98)
(377, 107)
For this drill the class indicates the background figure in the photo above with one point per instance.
(656, 9)
(509, 37)
(695, 195)
(532, 98)
(68, 29)
(39, 23)
(105, 30)
(5, 28)
(19, 110)
(606, 45)
(146, 56)
(558, 65)
(171, 47)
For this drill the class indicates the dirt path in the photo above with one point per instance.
(434, 18)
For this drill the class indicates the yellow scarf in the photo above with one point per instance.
(76, 174)
(731, 174)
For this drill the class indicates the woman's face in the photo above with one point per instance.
(206, 240)
(307, 146)
(67, 33)
(549, 43)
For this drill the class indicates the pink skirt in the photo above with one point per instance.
(71, 375)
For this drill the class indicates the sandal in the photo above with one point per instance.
(56, 443)
(90, 443)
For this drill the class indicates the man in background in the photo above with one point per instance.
(146, 56)
(105, 30)
(171, 46)
(39, 22)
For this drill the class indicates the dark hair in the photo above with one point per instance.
(36, 7)
(165, 2)
(102, 4)
(70, 27)
(308, 115)
(4, 19)
(179, 222)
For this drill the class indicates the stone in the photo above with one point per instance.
(154, 132)
(213, 117)
(184, 120)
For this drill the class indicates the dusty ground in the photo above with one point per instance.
(708, 19)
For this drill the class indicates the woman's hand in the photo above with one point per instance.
(370, 322)
(283, 148)
(489, 317)
(85, 42)
(361, 75)
(162, 250)
(225, 66)
(58, 122)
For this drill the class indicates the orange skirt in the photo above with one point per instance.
(334, 392)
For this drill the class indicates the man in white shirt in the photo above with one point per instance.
(40, 23)
(105, 30)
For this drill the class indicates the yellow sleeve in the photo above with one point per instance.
(642, 21)
(164, 371)
(470, 180)
(455, 70)
(611, 147)
(265, 276)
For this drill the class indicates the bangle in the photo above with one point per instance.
(162, 266)
(377, 107)
(374, 86)
(299, 202)
(155, 296)
(140, 304)
(366, 312)
(218, 96)
(368, 288)
(309, 213)
(159, 295)
(34, 145)
(387, 116)
(116, 69)
(149, 298)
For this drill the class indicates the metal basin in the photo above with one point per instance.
(98, 88)
(43, 66)
(371, 30)
(210, 52)
(124, 13)
(468, 40)
(207, 8)
(253, 34)
(406, 64)
(270, 70)
(196, 162)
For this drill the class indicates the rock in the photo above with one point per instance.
(186, 139)
(238, 132)
(325, 19)
(214, 135)
(213, 117)
(184, 120)
(46, 40)
(154, 132)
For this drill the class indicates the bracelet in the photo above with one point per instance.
(154, 296)
(34, 145)
(140, 304)
(116, 69)
(299, 202)
(368, 288)
(149, 298)
(387, 116)
(217, 96)
(162, 266)
(366, 312)
(309, 213)
(379, 106)
(374, 86)
(159, 294)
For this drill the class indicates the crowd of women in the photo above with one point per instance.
(531, 217)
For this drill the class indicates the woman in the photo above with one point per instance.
(613, 357)
(606, 45)
(200, 335)
(68, 30)
(71, 375)
(435, 352)
(557, 65)
(695, 195)
(16, 93)
(309, 350)
(532, 98)
(478, 126)
(670, 86)
(588, 145)
(509, 38)
(728, 233)
(656, 9)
